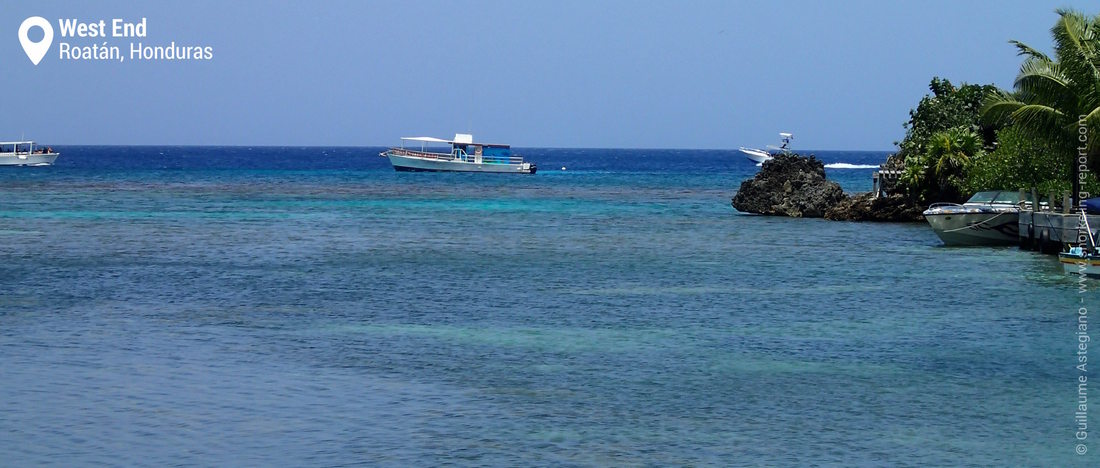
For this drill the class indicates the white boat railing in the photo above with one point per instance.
(942, 205)
(23, 149)
(458, 156)
(418, 154)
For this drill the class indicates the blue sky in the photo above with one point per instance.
(631, 74)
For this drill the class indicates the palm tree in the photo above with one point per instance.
(952, 150)
(1056, 97)
(939, 172)
(949, 154)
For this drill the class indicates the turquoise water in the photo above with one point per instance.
(311, 307)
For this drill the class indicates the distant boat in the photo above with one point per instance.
(25, 153)
(756, 155)
(759, 156)
(987, 218)
(463, 156)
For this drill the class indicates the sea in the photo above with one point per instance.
(288, 306)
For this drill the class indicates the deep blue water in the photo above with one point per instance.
(311, 307)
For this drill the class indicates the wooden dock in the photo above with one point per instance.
(1050, 232)
(884, 181)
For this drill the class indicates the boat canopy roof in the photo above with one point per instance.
(25, 142)
(426, 139)
(460, 139)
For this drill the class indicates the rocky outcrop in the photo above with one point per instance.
(789, 185)
(865, 207)
(894, 162)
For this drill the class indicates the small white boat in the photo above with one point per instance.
(759, 156)
(26, 153)
(1078, 260)
(987, 218)
(463, 156)
(756, 155)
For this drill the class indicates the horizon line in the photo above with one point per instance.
(809, 151)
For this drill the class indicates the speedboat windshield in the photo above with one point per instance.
(1007, 197)
(982, 197)
(995, 197)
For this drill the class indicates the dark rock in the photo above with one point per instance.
(894, 162)
(789, 185)
(864, 207)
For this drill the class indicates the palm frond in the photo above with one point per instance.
(1092, 119)
(1043, 81)
(1077, 46)
(1042, 120)
(968, 142)
(1092, 127)
(998, 106)
(1030, 52)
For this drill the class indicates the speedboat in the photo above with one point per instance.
(463, 155)
(759, 156)
(756, 155)
(987, 218)
(26, 153)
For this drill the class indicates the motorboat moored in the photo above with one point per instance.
(1081, 259)
(1078, 260)
(987, 218)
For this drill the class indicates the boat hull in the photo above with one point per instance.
(402, 163)
(1078, 264)
(34, 159)
(757, 156)
(976, 229)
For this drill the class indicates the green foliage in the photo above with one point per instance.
(939, 172)
(1037, 127)
(946, 108)
(942, 135)
(1020, 161)
(1052, 94)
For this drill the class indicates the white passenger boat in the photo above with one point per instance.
(987, 218)
(463, 155)
(25, 153)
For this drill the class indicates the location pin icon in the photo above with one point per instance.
(36, 50)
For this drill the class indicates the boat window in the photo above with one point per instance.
(1043, 198)
(497, 151)
(1008, 197)
(982, 197)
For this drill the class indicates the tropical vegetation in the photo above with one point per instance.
(1038, 135)
(1018, 161)
(943, 138)
(1057, 100)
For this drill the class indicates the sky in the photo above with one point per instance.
(840, 75)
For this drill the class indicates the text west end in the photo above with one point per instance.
(72, 27)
